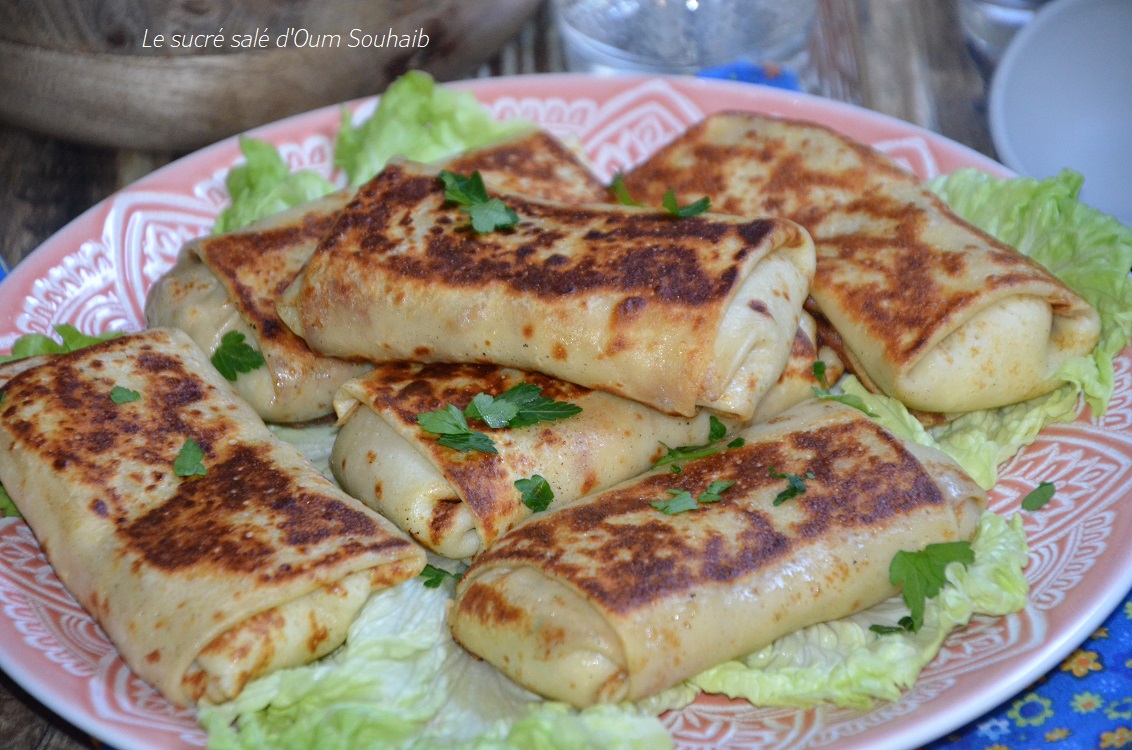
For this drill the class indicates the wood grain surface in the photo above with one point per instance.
(905, 58)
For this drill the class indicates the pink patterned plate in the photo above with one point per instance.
(95, 274)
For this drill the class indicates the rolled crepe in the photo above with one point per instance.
(230, 282)
(798, 380)
(632, 301)
(457, 503)
(611, 599)
(930, 310)
(252, 562)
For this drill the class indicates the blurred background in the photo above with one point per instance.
(86, 107)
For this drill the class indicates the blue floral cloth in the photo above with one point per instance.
(1085, 703)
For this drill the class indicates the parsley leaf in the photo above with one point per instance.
(683, 212)
(120, 395)
(922, 574)
(849, 399)
(189, 460)
(713, 491)
(621, 193)
(680, 501)
(716, 431)
(487, 214)
(34, 344)
(536, 492)
(234, 356)
(8, 508)
(434, 576)
(1039, 496)
(795, 485)
(522, 405)
(454, 431)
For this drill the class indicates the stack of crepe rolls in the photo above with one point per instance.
(205, 570)
(610, 599)
(674, 313)
(925, 308)
(231, 282)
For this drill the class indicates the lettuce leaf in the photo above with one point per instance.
(263, 185)
(419, 120)
(71, 339)
(845, 663)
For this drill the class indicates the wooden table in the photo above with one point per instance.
(905, 58)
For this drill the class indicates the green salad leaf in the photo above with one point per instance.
(8, 507)
(263, 185)
(71, 339)
(419, 120)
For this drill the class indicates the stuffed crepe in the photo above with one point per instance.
(611, 599)
(929, 309)
(457, 503)
(635, 302)
(205, 569)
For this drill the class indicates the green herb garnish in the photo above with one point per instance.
(795, 485)
(1039, 496)
(488, 214)
(234, 356)
(34, 344)
(848, 399)
(452, 426)
(120, 395)
(922, 574)
(522, 405)
(683, 212)
(621, 193)
(716, 432)
(536, 492)
(189, 461)
(434, 576)
(8, 507)
(682, 500)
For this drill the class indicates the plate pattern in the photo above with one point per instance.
(99, 283)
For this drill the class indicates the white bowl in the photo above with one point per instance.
(1062, 97)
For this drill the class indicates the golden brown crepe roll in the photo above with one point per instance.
(230, 282)
(797, 381)
(931, 310)
(611, 599)
(457, 503)
(636, 302)
(205, 569)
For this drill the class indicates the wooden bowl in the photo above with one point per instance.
(96, 71)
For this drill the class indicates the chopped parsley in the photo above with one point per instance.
(716, 432)
(1039, 496)
(683, 212)
(434, 576)
(487, 214)
(848, 399)
(682, 500)
(235, 356)
(120, 395)
(452, 426)
(795, 485)
(189, 461)
(522, 405)
(921, 575)
(621, 193)
(536, 492)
